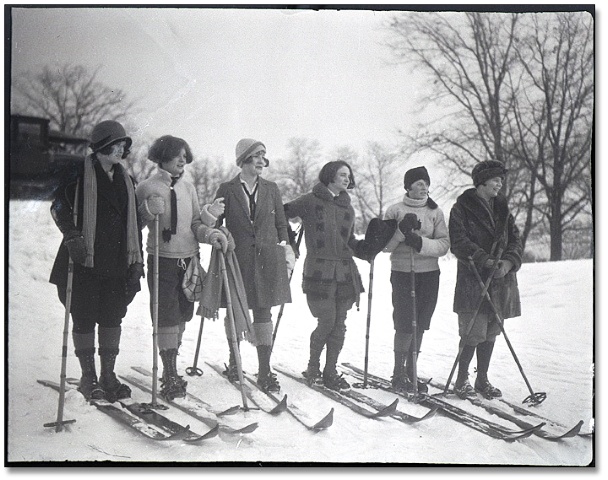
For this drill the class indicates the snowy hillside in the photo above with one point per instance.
(553, 340)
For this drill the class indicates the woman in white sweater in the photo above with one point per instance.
(422, 228)
(175, 201)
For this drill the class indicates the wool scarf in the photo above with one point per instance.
(89, 219)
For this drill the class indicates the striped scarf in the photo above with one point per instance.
(89, 219)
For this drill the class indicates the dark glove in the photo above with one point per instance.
(364, 251)
(413, 240)
(74, 241)
(135, 272)
(410, 222)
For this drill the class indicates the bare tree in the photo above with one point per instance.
(376, 182)
(492, 110)
(298, 173)
(71, 97)
(554, 126)
(207, 174)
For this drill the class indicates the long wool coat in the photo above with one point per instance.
(329, 224)
(261, 258)
(111, 224)
(477, 232)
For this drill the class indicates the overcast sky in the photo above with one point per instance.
(213, 76)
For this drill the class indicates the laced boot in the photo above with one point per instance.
(89, 386)
(489, 391)
(399, 380)
(482, 385)
(462, 387)
(334, 381)
(313, 373)
(422, 386)
(115, 390)
(267, 380)
(231, 372)
(172, 386)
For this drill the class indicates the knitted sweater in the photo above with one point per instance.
(190, 228)
(434, 233)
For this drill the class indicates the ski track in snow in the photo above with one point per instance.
(553, 340)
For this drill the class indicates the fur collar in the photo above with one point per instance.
(322, 192)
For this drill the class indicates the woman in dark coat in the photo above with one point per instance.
(482, 228)
(105, 246)
(332, 283)
(255, 217)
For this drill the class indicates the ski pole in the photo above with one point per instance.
(66, 327)
(276, 327)
(533, 398)
(472, 321)
(233, 339)
(414, 342)
(369, 321)
(155, 293)
(194, 370)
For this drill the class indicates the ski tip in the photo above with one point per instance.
(388, 410)
(210, 434)
(325, 422)
(229, 411)
(281, 406)
(252, 427)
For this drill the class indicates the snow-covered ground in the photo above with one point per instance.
(553, 340)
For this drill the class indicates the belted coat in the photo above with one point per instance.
(479, 230)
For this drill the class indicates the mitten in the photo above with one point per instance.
(504, 267)
(135, 272)
(156, 205)
(74, 241)
(218, 240)
(413, 240)
(410, 222)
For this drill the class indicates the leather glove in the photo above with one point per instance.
(217, 207)
(504, 267)
(290, 259)
(74, 241)
(413, 240)
(408, 223)
(218, 241)
(156, 205)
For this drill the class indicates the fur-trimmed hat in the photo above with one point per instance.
(486, 170)
(244, 148)
(106, 133)
(415, 174)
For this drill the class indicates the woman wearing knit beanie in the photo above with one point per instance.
(481, 226)
(422, 228)
(255, 217)
(175, 201)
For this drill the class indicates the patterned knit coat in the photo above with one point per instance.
(329, 224)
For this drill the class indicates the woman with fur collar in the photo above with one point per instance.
(481, 226)
(332, 283)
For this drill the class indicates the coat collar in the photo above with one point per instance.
(322, 192)
(240, 194)
(496, 223)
